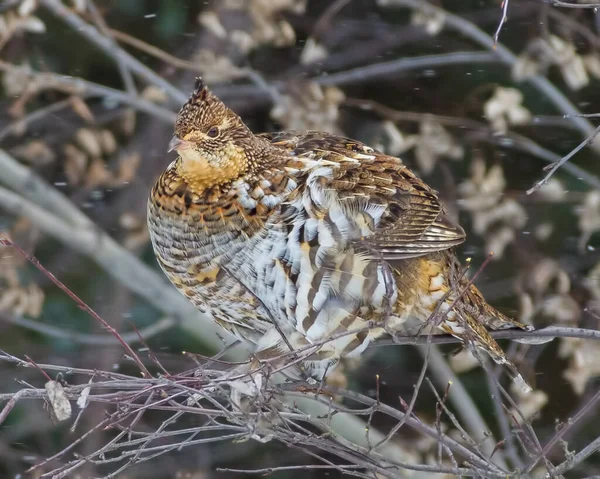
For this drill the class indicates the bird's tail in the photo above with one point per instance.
(479, 316)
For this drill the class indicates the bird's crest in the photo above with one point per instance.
(202, 111)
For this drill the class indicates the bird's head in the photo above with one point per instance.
(214, 144)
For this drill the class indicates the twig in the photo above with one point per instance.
(556, 438)
(414, 423)
(272, 470)
(508, 436)
(558, 3)
(155, 51)
(538, 335)
(504, 6)
(578, 458)
(563, 160)
(464, 404)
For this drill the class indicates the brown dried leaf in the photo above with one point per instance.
(98, 174)
(128, 166)
(88, 140)
(108, 142)
(154, 94)
(128, 121)
(35, 152)
(75, 164)
(81, 108)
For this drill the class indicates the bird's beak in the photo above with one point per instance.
(178, 144)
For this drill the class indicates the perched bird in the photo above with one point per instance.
(292, 239)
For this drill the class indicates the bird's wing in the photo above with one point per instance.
(369, 198)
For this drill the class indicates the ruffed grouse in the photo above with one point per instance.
(289, 239)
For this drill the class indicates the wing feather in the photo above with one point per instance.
(407, 217)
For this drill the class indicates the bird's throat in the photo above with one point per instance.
(201, 173)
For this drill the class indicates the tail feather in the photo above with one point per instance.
(474, 333)
(490, 316)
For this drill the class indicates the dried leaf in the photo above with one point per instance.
(583, 361)
(27, 7)
(463, 361)
(81, 108)
(155, 94)
(432, 21)
(97, 174)
(58, 400)
(108, 142)
(35, 152)
(128, 121)
(88, 140)
(33, 25)
(505, 108)
(529, 403)
(589, 216)
(553, 191)
(82, 400)
(128, 166)
(525, 67)
(308, 106)
(75, 164)
(312, 52)
(572, 66)
(212, 23)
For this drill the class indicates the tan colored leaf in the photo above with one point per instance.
(81, 108)
(58, 400)
(88, 140)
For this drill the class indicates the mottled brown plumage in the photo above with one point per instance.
(292, 238)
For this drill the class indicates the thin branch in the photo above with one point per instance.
(155, 51)
(502, 419)
(414, 423)
(393, 67)
(563, 160)
(578, 458)
(109, 48)
(504, 6)
(529, 337)
(558, 3)
(464, 404)
(557, 437)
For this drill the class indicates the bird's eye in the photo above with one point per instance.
(213, 132)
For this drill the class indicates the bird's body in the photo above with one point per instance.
(293, 239)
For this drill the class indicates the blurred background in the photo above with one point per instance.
(478, 119)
